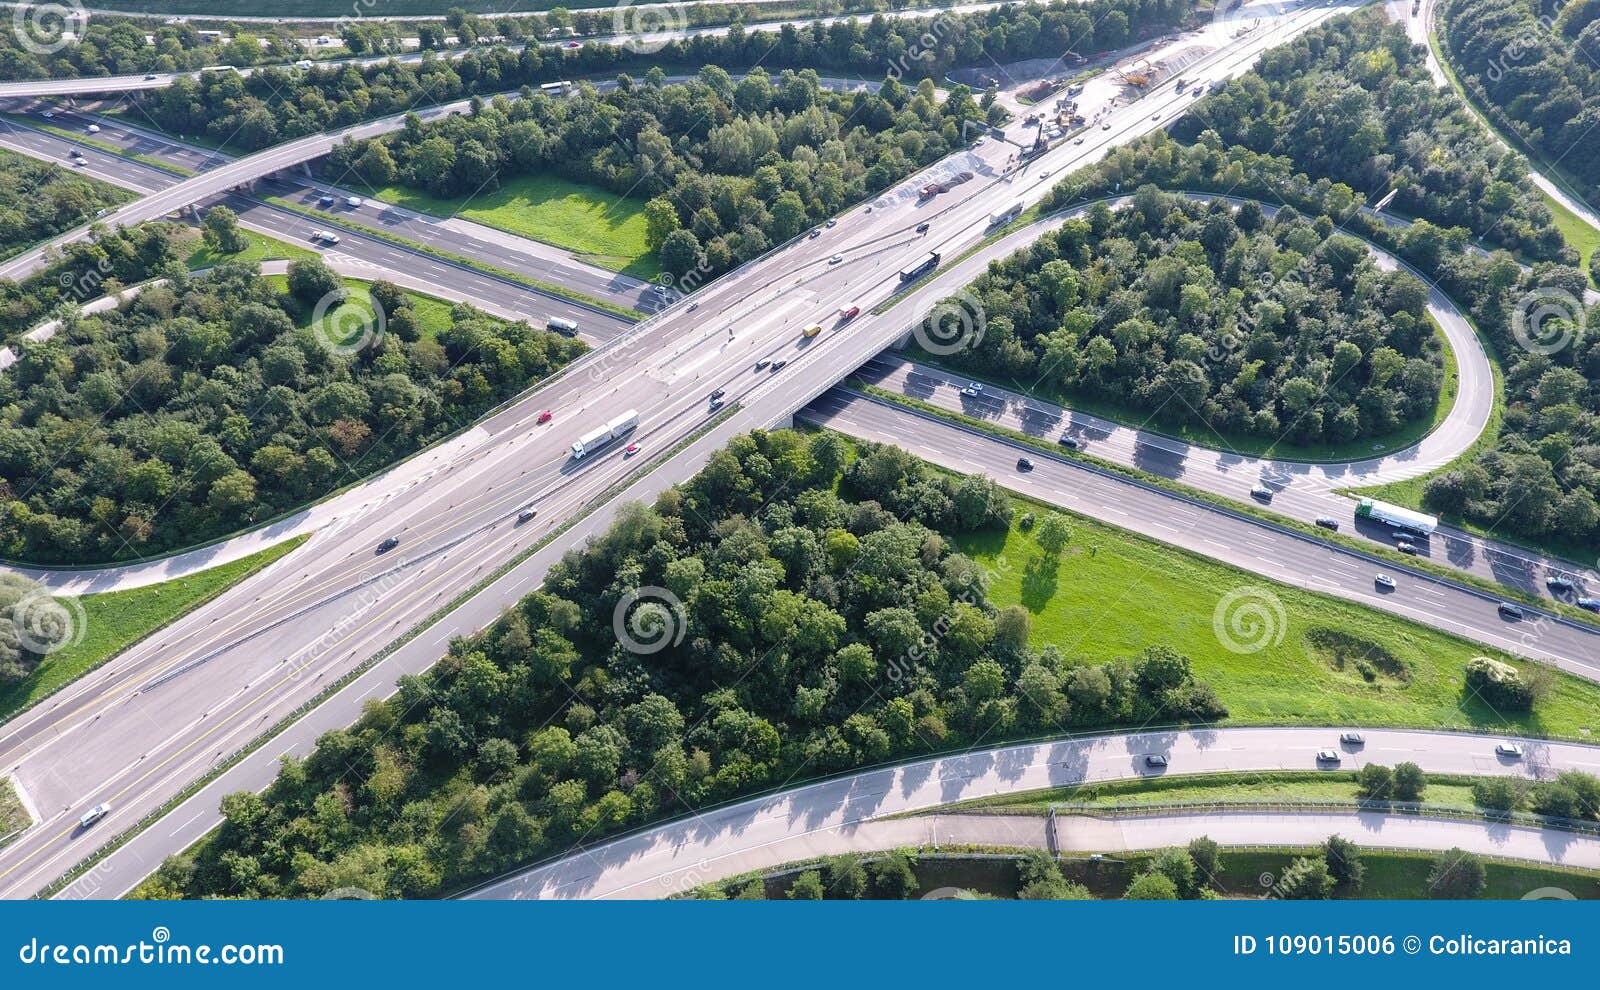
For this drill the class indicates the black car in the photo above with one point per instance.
(719, 393)
(1071, 443)
(1024, 464)
(922, 228)
(778, 365)
(761, 364)
(716, 404)
(1510, 611)
(1261, 493)
(1589, 604)
(1155, 760)
(1328, 522)
(324, 200)
(389, 544)
(1560, 585)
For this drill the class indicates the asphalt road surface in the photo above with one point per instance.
(818, 819)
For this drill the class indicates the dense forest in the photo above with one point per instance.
(1534, 67)
(1540, 478)
(1352, 102)
(87, 268)
(730, 168)
(784, 631)
(39, 200)
(116, 46)
(210, 402)
(1274, 327)
(275, 104)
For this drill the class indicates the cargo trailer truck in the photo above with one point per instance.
(601, 436)
(1396, 516)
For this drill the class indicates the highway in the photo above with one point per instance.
(827, 817)
(1236, 539)
(135, 732)
(461, 238)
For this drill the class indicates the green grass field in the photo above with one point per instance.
(1442, 791)
(116, 620)
(1242, 444)
(262, 248)
(345, 320)
(13, 816)
(602, 227)
(1115, 593)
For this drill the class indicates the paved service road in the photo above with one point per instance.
(825, 817)
(1234, 539)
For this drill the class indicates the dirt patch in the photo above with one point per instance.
(1357, 658)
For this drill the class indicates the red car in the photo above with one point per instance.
(630, 450)
(544, 417)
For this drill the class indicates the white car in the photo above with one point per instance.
(94, 814)
(325, 236)
(973, 389)
(304, 63)
(836, 259)
(1384, 581)
(353, 201)
(94, 128)
(1510, 750)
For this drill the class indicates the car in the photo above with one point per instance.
(76, 153)
(544, 417)
(571, 44)
(661, 290)
(630, 450)
(715, 404)
(1077, 140)
(1328, 756)
(778, 365)
(836, 259)
(850, 312)
(1352, 739)
(1511, 611)
(47, 114)
(1409, 535)
(978, 143)
(832, 222)
(1405, 546)
(1071, 443)
(719, 393)
(1155, 760)
(972, 389)
(1510, 750)
(1155, 116)
(1559, 584)
(1024, 464)
(761, 364)
(149, 76)
(692, 307)
(1590, 604)
(389, 544)
(94, 814)
(1261, 493)
(1045, 174)
(527, 513)
(1106, 126)
(326, 201)
(1384, 581)
(304, 63)
(815, 232)
(94, 128)
(353, 201)
(812, 330)
(1328, 522)
(922, 228)
(325, 236)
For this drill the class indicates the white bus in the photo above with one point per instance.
(555, 88)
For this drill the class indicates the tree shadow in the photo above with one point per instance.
(1040, 579)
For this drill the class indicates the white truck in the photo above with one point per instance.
(1396, 516)
(1006, 215)
(600, 436)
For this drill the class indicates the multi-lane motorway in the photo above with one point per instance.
(138, 730)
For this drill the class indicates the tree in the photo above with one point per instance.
(1456, 875)
(1206, 855)
(310, 280)
(1497, 793)
(680, 253)
(1176, 866)
(1305, 879)
(894, 877)
(660, 219)
(1375, 782)
(1344, 863)
(1052, 533)
(1409, 782)
(847, 878)
(220, 230)
(807, 887)
(1151, 887)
